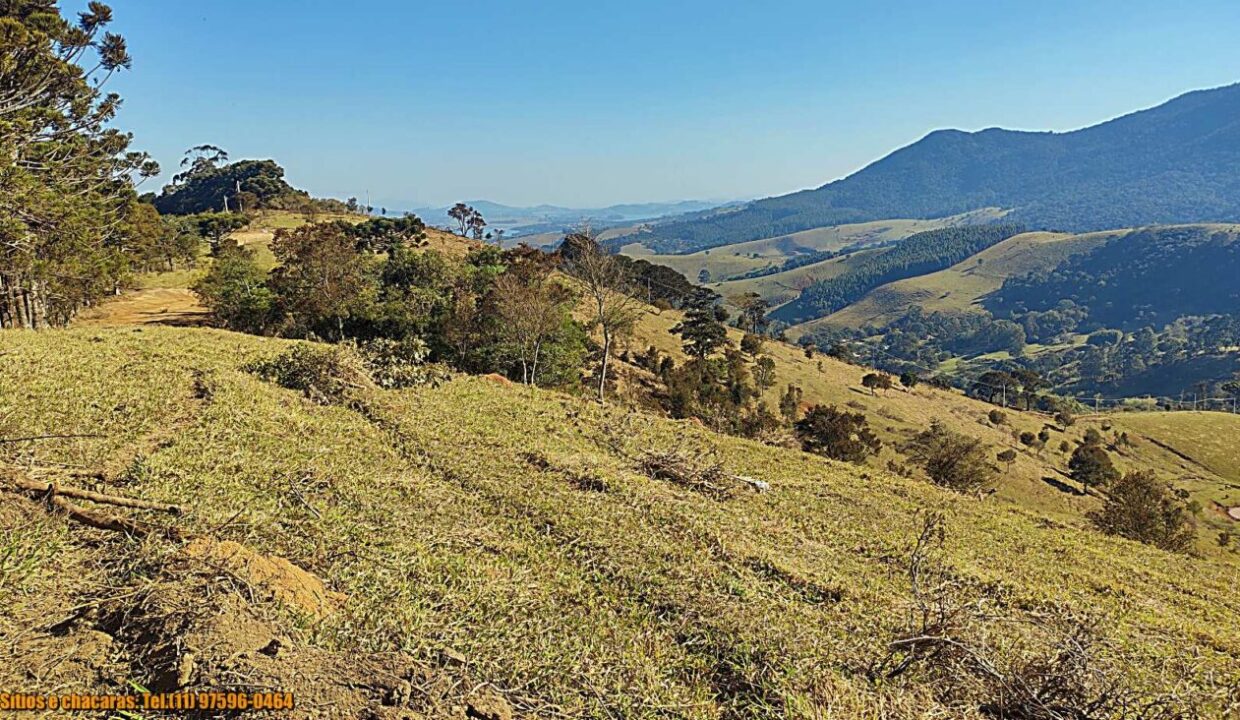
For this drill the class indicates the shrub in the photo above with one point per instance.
(997, 417)
(950, 459)
(752, 344)
(325, 374)
(1007, 457)
(837, 434)
(909, 379)
(1065, 419)
(1028, 438)
(399, 363)
(1091, 466)
(1140, 507)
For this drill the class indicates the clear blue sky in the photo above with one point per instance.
(587, 103)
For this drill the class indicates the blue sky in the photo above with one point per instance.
(588, 103)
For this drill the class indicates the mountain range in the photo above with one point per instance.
(516, 220)
(1174, 163)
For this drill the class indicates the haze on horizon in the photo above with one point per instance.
(579, 105)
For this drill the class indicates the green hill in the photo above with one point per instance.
(480, 543)
(920, 254)
(961, 287)
(1169, 164)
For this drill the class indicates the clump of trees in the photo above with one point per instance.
(837, 434)
(876, 381)
(208, 183)
(491, 311)
(70, 219)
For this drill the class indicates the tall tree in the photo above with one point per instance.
(469, 221)
(532, 309)
(323, 279)
(702, 329)
(607, 286)
(65, 175)
(753, 312)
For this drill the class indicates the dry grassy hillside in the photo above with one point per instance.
(481, 547)
(1036, 480)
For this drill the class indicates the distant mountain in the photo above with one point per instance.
(1176, 163)
(518, 221)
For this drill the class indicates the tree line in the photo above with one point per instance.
(917, 255)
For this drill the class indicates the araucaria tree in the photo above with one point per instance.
(702, 329)
(607, 285)
(66, 178)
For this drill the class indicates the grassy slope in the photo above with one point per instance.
(460, 517)
(1033, 481)
(781, 287)
(730, 260)
(960, 287)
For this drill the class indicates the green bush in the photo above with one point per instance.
(400, 363)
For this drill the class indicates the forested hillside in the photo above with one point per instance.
(209, 184)
(1151, 312)
(1171, 164)
(919, 254)
(1147, 277)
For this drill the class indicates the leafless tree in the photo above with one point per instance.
(607, 285)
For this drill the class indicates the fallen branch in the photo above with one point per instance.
(54, 497)
(103, 521)
(54, 489)
(757, 485)
(32, 438)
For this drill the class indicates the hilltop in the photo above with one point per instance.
(475, 540)
(1169, 164)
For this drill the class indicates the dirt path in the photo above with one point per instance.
(163, 306)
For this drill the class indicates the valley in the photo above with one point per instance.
(952, 435)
